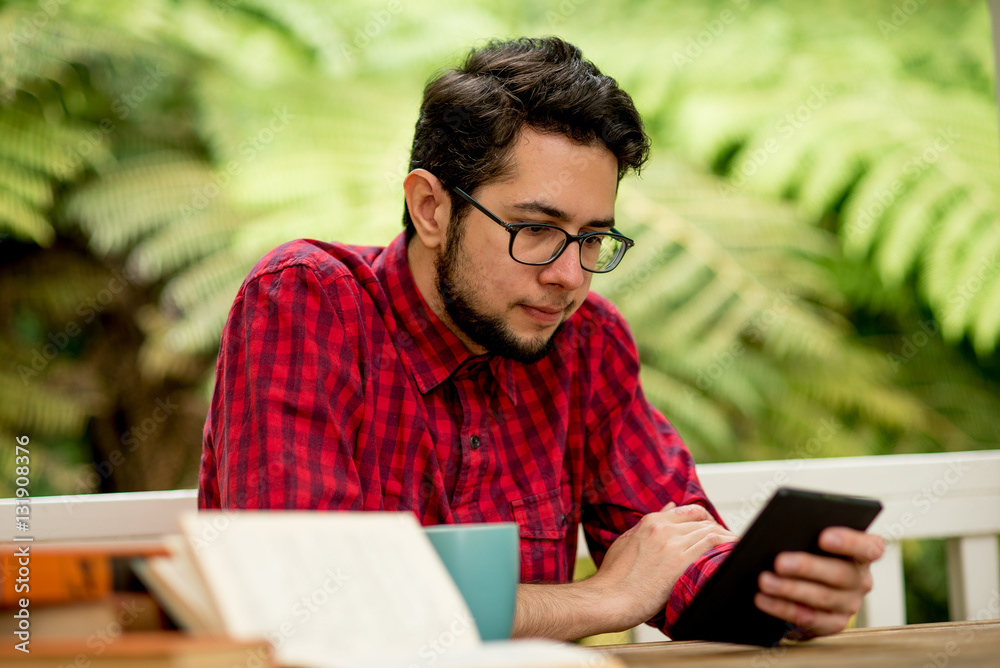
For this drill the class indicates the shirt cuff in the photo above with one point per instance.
(690, 583)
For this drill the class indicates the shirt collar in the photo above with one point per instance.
(432, 351)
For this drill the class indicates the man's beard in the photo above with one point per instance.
(489, 331)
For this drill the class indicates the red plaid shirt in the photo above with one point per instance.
(338, 388)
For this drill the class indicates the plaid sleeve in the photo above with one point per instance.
(690, 583)
(637, 464)
(288, 399)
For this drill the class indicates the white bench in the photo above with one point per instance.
(953, 496)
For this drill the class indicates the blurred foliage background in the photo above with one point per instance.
(816, 269)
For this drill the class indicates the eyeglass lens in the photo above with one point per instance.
(539, 244)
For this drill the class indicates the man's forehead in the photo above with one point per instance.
(553, 156)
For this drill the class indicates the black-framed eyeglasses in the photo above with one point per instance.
(540, 243)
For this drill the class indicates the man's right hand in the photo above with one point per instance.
(632, 584)
(641, 567)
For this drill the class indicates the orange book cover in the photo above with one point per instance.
(65, 572)
(54, 577)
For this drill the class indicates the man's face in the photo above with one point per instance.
(512, 309)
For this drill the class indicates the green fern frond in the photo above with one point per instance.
(905, 158)
(40, 411)
(23, 221)
(199, 329)
(675, 273)
(869, 201)
(986, 326)
(205, 280)
(57, 151)
(140, 196)
(55, 287)
(698, 420)
(183, 243)
(977, 270)
(699, 314)
(967, 221)
(25, 184)
(727, 322)
(908, 225)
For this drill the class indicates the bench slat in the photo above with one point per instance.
(886, 604)
(973, 578)
(125, 515)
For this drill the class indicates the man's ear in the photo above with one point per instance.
(429, 206)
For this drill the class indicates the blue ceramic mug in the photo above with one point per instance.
(484, 560)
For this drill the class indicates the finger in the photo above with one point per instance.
(707, 538)
(679, 536)
(690, 513)
(829, 571)
(669, 506)
(858, 545)
(814, 595)
(816, 622)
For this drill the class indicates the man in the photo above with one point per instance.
(466, 373)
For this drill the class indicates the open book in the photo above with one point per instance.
(332, 590)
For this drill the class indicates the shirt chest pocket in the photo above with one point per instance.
(543, 522)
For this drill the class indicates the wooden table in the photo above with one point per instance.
(947, 645)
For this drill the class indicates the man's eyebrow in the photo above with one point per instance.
(535, 206)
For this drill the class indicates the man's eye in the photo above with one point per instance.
(536, 230)
(594, 241)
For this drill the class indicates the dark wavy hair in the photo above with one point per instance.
(471, 115)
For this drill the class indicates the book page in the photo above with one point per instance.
(178, 585)
(329, 587)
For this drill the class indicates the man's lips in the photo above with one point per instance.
(547, 309)
(544, 313)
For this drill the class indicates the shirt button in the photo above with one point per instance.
(474, 442)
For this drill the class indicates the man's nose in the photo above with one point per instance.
(565, 270)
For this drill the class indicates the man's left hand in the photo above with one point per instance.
(820, 594)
